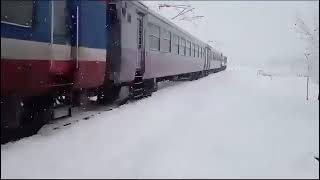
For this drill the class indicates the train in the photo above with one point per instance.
(57, 54)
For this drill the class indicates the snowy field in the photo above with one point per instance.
(233, 124)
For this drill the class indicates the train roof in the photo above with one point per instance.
(165, 20)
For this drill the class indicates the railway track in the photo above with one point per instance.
(83, 113)
(80, 114)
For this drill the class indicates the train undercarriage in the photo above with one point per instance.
(23, 116)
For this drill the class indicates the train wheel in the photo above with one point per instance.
(11, 116)
(35, 115)
(150, 86)
(108, 94)
(155, 85)
(36, 120)
(11, 112)
(26, 117)
(80, 98)
(197, 75)
(192, 77)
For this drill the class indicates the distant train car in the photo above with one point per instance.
(146, 48)
(56, 53)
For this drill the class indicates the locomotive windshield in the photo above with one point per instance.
(9, 13)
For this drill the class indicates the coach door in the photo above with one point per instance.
(60, 37)
(140, 42)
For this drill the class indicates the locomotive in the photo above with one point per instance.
(55, 54)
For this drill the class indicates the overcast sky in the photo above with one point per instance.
(252, 33)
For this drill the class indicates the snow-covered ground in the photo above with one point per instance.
(232, 124)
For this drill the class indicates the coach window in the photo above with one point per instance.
(188, 49)
(166, 45)
(193, 50)
(129, 18)
(183, 47)
(176, 44)
(202, 49)
(124, 11)
(154, 37)
(197, 50)
(9, 13)
(203, 53)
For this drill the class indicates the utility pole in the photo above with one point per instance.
(308, 74)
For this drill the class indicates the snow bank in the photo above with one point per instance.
(233, 124)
